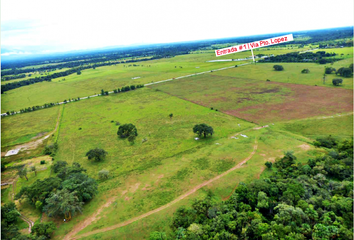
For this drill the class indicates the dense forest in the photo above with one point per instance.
(298, 201)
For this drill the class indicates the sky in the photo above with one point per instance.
(45, 26)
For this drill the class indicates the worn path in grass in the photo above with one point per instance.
(35, 143)
(193, 190)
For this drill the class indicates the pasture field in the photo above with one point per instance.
(271, 144)
(22, 128)
(260, 101)
(340, 126)
(91, 81)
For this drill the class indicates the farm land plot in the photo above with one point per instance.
(91, 81)
(22, 128)
(260, 101)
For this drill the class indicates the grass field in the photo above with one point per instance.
(91, 81)
(22, 128)
(260, 101)
(166, 161)
(339, 126)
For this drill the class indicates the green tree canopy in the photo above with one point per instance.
(96, 154)
(203, 129)
(63, 202)
(127, 130)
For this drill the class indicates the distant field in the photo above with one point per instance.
(292, 73)
(91, 81)
(260, 101)
(338, 126)
(23, 127)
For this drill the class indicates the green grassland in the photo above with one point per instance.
(339, 126)
(165, 161)
(271, 144)
(23, 127)
(91, 81)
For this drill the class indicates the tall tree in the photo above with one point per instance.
(64, 203)
(203, 129)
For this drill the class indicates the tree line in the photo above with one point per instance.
(14, 85)
(49, 105)
(313, 200)
(319, 57)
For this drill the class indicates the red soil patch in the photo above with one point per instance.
(305, 101)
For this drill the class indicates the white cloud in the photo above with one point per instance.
(69, 25)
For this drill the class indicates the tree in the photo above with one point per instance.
(158, 236)
(9, 213)
(64, 203)
(203, 129)
(97, 154)
(171, 115)
(329, 70)
(58, 165)
(80, 183)
(22, 172)
(33, 169)
(78, 72)
(44, 229)
(278, 67)
(103, 174)
(269, 165)
(127, 130)
(131, 138)
(337, 81)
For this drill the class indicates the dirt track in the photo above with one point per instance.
(84, 224)
(35, 143)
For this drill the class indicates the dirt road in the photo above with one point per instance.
(193, 190)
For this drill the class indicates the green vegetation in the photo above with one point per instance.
(24, 127)
(300, 201)
(96, 154)
(203, 129)
(251, 181)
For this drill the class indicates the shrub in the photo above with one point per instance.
(43, 162)
(278, 67)
(127, 130)
(305, 70)
(269, 165)
(337, 81)
(103, 174)
(97, 154)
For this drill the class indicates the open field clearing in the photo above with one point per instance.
(260, 101)
(23, 128)
(291, 73)
(340, 126)
(91, 81)
(268, 141)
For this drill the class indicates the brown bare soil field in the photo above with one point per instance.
(305, 101)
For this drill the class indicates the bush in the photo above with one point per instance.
(328, 142)
(97, 154)
(278, 67)
(43, 162)
(305, 70)
(127, 130)
(51, 149)
(103, 174)
(337, 81)
(269, 165)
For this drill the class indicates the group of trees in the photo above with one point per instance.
(128, 88)
(62, 195)
(320, 57)
(9, 230)
(298, 201)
